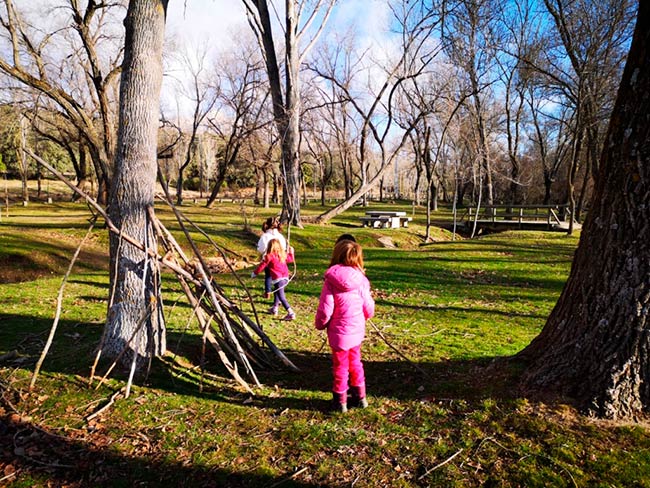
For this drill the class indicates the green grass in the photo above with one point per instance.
(457, 309)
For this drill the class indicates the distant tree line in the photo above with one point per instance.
(498, 101)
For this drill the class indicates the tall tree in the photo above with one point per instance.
(470, 40)
(377, 111)
(286, 99)
(595, 344)
(135, 306)
(321, 145)
(242, 93)
(520, 28)
(334, 108)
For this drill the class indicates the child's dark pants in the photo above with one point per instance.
(279, 294)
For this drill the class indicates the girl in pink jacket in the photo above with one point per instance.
(275, 261)
(345, 304)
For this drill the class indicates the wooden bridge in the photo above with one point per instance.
(524, 217)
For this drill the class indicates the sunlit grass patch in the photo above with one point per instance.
(457, 310)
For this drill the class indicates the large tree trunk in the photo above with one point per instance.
(291, 136)
(595, 346)
(135, 278)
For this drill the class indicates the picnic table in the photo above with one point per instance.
(386, 219)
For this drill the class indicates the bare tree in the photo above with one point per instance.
(469, 38)
(321, 145)
(593, 37)
(334, 108)
(242, 96)
(81, 82)
(22, 158)
(377, 110)
(298, 21)
(519, 29)
(262, 148)
(550, 138)
(202, 95)
(53, 127)
(170, 145)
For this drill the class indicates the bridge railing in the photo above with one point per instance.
(551, 214)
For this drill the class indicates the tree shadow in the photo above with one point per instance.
(345, 225)
(473, 379)
(419, 275)
(30, 454)
(308, 389)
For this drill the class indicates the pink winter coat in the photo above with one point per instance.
(345, 304)
(277, 267)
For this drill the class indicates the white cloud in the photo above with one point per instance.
(205, 21)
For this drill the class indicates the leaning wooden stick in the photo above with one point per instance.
(235, 327)
(59, 300)
(108, 405)
(396, 350)
(109, 223)
(179, 215)
(449, 459)
(170, 243)
(206, 281)
(204, 323)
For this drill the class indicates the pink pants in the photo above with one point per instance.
(346, 363)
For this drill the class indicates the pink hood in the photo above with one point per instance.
(345, 304)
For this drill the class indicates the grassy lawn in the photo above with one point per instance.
(456, 309)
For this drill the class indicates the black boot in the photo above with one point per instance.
(358, 396)
(340, 402)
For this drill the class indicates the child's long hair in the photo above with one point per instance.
(275, 247)
(347, 253)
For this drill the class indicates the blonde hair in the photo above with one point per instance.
(275, 247)
(347, 253)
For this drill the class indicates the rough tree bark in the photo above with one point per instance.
(595, 346)
(135, 279)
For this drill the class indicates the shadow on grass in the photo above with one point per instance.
(402, 380)
(88, 459)
(393, 378)
(32, 456)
